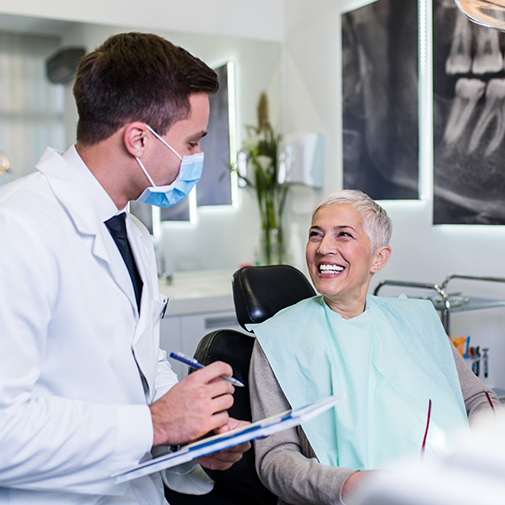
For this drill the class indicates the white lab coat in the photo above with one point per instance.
(72, 405)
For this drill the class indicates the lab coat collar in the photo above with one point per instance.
(103, 204)
(140, 245)
(151, 303)
(78, 198)
(63, 182)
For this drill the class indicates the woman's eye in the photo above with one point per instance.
(314, 234)
(344, 234)
(192, 145)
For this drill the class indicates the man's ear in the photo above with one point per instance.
(135, 138)
(380, 258)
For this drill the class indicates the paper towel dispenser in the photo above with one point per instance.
(301, 159)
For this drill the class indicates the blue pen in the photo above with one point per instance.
(188, 360)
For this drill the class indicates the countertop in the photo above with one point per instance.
(198, 292)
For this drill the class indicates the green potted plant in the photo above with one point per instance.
(263, 175)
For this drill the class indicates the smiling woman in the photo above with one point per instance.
(339, 252)
(391, 356)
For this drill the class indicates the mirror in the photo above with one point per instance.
(27, 42)
(257, 68)
(489, 13)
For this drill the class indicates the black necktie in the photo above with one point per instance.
(117, 228)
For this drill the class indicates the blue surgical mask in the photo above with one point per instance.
(189, 174)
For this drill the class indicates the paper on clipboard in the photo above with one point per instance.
(263, 428)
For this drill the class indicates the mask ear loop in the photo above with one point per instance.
(145, 172)
(162, 140)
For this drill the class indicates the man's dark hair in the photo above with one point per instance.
(136, 77)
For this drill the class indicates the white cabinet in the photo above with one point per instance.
(184, 332)
(200, 302)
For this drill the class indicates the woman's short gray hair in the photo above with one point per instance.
(376, 222)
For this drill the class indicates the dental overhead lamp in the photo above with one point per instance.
(489, 13)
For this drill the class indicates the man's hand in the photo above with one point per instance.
(193, 407)
(225, 459)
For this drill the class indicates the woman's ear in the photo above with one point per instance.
(134, 137)
(380, 258)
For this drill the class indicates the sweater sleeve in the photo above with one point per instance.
(285, 461)
(474, 390)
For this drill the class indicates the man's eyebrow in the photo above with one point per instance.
(198, 136)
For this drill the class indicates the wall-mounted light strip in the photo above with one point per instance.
(156, 216)
(422, 38)
(193, 212)
(232, 132)
(425, 101)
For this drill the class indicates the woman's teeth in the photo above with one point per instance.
(330, 269)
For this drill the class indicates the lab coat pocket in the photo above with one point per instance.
(146, 345)
(159, 308)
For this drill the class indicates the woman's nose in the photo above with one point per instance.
(326, 246)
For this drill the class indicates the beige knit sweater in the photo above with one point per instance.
(285, 461)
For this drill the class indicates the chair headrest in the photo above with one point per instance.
(260, 292)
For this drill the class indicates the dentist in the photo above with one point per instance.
(85, 391)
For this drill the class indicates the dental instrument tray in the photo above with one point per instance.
(455, 300)
(446, 302)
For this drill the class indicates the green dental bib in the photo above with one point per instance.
(390, 361)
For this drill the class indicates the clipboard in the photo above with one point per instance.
(258, 429)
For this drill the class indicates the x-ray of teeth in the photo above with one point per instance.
(460, 57)
(493, 112)
(488, 58)
(468, 93)
(468, 119)
(380, 99)
(488, 211)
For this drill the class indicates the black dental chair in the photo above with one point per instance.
(258, 293)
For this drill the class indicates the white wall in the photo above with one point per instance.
(421, 252)
(312, 90)
(260, 20)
